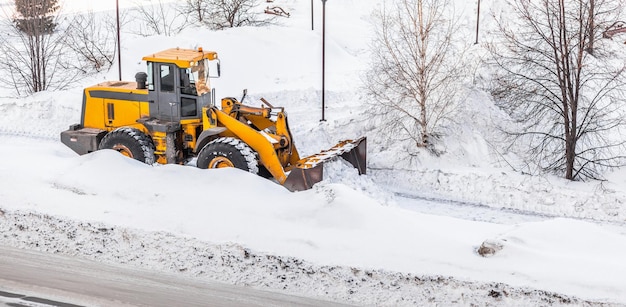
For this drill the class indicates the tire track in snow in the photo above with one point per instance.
(26, 134)
(475, 211)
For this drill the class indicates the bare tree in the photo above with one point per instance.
(161, 18)
(198, 11)
(567, 104)
(221, 14)
(417, 70)
(93, 40)
(31, 49)
(232, 13)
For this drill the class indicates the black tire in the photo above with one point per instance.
(228, 152)
(130, 142)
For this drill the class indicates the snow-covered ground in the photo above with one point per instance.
(405, 234)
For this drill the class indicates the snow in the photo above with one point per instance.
(405, 234)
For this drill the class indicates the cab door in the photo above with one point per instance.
(168, 99)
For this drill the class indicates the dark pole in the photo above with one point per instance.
(119, 48)
(323, 57)
(477, 21)
(312, 28)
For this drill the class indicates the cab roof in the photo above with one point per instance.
(183, 58)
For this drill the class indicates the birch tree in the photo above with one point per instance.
(416, 72)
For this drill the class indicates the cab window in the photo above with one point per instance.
(150, 73)
(167, 78)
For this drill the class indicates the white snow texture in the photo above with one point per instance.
(405, 234)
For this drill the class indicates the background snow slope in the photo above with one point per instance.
(350, 238)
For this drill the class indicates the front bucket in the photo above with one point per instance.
(310, 170)
(301, 179)
(357, 156)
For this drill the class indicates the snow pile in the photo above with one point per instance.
(331, 225)
(40, 115)
(235, 264)
(547, 195)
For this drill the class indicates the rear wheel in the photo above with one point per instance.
(228, 152)
(130, 142)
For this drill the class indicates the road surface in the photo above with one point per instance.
(32, 278)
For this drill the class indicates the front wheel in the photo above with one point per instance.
(228, 152)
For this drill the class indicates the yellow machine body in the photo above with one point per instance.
(169, 115)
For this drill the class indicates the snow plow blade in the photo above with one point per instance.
(310, 170)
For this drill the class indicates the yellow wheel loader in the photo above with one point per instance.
(170, 115)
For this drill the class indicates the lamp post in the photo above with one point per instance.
(119, 48)
(312, 28)
(477, 21)
(323, 58)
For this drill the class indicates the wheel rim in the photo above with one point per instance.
(123, 150)
(220, 162)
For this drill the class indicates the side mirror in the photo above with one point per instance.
(214, 66)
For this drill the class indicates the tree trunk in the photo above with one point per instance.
(423, 96)
(592, 25)
(570, 156)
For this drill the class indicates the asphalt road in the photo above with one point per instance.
(31, 278)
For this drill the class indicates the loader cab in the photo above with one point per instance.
(178, 83)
